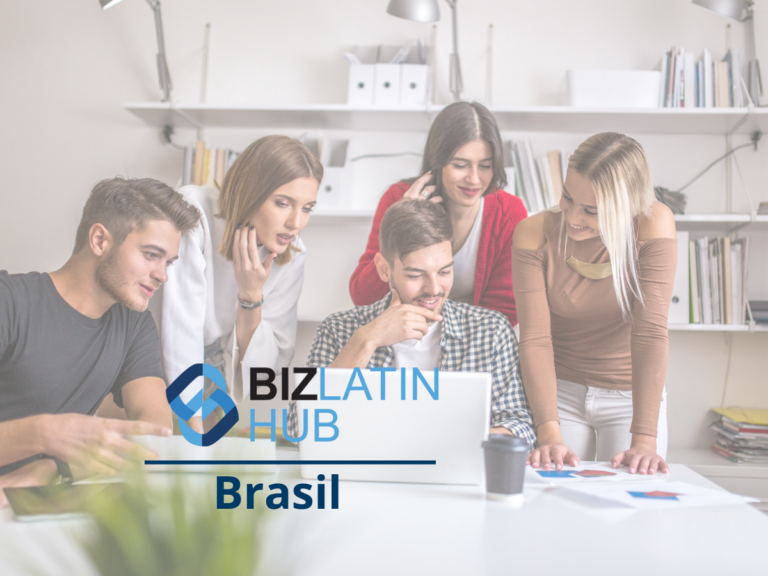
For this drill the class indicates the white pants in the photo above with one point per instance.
(595, 422)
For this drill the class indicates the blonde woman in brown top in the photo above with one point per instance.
(593, 282)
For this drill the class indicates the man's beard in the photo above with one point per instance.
(113, 282)
(421, 296)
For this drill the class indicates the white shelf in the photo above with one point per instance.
(517, 119)
(711, 465)
(718, 327)
(721, 222)
(340, 217)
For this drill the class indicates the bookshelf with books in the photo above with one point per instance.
(542, 136)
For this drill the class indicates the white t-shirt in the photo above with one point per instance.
(465, 262)
(423, 354)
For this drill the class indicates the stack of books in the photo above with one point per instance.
(206, 166)
(718, 274)
(742, 434)
(538, 180)
(686, 83)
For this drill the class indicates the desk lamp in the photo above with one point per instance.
(429, 11)
(742, 11)
(162, 65)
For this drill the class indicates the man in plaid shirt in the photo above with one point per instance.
(416, 325)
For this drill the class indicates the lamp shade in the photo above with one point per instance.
(735, 9)
(417, 10)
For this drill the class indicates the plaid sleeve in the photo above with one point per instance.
(509, 406)
(324, 350)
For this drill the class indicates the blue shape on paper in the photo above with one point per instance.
(651, 496)
(556, 473)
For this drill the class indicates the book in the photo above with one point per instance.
(198, 163)
(705, 289)
(221, 160)
(758, 416)
(693, 280)
(664, 80)
(689, 85)
(537, 192)
(709, 94)
(558, 176)
(726, 281)
(186, 171)
(713, 255)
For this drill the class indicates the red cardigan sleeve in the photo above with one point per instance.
(365, 286)
(494, 278)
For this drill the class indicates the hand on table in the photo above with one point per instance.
(37, 473)
(97, 444)
(550, 448)
(555, 453)
(420, 191)
(641, 458)
(250, 273)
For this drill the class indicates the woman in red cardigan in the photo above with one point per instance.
(463, 167)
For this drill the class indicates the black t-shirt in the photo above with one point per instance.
(55, 360)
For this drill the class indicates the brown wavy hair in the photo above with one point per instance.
(262, 168)
(123, 205)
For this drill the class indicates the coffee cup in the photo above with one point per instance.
(505, 459)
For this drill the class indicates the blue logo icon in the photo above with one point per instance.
(219, 397)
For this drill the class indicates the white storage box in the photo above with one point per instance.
(612, 89)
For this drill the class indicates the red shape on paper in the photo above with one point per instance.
(594, 473)
(661, 494)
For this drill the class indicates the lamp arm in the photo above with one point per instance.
(162, 65)
(457, 85)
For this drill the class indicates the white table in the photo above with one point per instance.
(391, 529)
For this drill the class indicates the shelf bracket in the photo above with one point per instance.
(188, 118)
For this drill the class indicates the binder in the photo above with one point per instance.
(414, 82)
(386, 90)
(360, 87)
(679, 312)
(333, 158)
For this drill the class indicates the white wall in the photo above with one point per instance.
(67, 67)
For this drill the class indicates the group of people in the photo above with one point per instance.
(452, 263)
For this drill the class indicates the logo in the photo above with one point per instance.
(219, 397)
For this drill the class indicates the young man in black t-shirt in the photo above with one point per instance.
(71, 337)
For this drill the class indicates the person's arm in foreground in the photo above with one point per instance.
(96, 444)
(537, 357)
(650, 339)
(509, 408)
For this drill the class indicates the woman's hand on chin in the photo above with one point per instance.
(641, 458)
(250, 273)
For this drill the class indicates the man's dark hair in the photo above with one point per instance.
(410, 225)
(124, 205)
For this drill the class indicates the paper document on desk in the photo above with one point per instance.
(588, 473)
(665, 496)
(226, 449)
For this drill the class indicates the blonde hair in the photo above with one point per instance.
(617, 168)
(262, 168)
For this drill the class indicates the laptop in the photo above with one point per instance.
(448, 430)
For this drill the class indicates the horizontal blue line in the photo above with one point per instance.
(295, 462)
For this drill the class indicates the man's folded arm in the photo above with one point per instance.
(509, 404)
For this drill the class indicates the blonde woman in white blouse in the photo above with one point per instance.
(230, 300)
